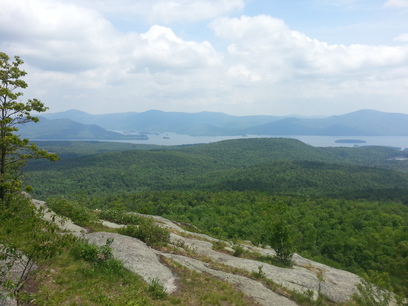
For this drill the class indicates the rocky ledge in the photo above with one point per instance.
(306, 276)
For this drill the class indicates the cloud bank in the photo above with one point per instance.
(77, 56)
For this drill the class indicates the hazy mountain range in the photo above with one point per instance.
(74, 124)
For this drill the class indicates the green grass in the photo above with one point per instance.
(66, 280)
(202, 289)
(73, 272)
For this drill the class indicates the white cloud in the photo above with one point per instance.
(68, 38)
(57, 36)
(268, 47)
(240, 71)
(74, 55)
(402, 37)
(291, 66)
(78, 58)
(162, 49)
(396, 3)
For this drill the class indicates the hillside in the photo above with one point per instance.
(189, 268)
(341, 202)
(68, 129)
(269, 165)
(204, 123)
(359, 123)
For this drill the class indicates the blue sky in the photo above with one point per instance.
(240, 57)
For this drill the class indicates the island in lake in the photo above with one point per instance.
(349, 141)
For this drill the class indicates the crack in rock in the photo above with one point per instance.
(250, 287)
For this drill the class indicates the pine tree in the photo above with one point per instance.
(14, 150)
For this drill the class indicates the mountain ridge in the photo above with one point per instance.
(359, 123)
(69, 129)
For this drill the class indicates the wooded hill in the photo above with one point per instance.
(277, 165)
(347, 207)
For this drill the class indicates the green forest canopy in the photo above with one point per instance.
(348, 206)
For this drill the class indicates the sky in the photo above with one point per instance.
(240, 57)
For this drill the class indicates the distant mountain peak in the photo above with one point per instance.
(71, 111)
(364, 122)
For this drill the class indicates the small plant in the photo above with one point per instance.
(309, 294)
(238, 250)
(93, 253)
(182, 245)
(156, 290)
(259, 274)
(218, 245)
(374, 290)
(100, 256)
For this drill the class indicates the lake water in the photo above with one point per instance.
(172, 139)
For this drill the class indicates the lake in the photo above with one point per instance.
(171, 139)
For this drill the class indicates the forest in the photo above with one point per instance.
(346, 207)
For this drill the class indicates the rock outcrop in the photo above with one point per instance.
(306, 276)
(137, 257)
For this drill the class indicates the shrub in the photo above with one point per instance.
(156, 290)
(72, 210)
(148, 232)
(374, 290)
(259, 274)
(121, 217)
(218, 245)
(238, 250)
(25, 239)
(91, 252)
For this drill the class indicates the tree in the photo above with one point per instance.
(281, 235)
(26, 238)
(15, 151)
(282, 241)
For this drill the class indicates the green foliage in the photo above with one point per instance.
(276, 166)
(15, 151)
(354, 235)
(72, 210)
(282, 241)
(219, 245)
(238, 250)
(148, 232)
(259, 274)
(91, 252)
(100, 256)
(374, 290)
(316, 178)
(25, 239)
(156, 290)
(122, 217)
(281, 237)
(139, 227)
(67, 279)
(346, 204)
